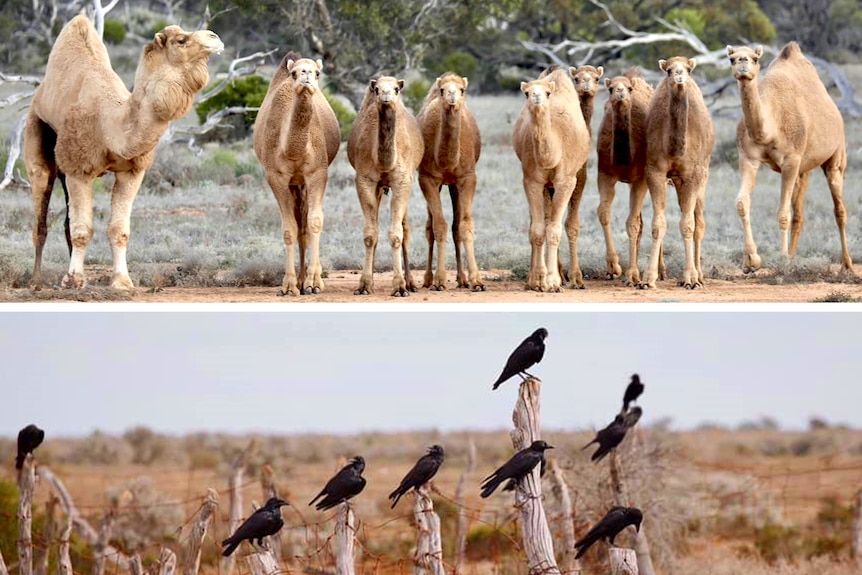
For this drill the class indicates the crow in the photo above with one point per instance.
(633, 391)
(29, 439)
(347, 483)
(608, 438)
(421, 473)
(632, 416)
(262, 523)
(511, 484)
(617, 519)
(526, 355)
(517, 467)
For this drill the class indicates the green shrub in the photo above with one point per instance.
(414, 93)
(157, 27)
(115, 32)
(488, 543)
(8, 523)
(462, 63)
(343, 113)
(775, 542)
(246, 91)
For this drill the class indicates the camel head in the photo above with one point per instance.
(386, 89)
(745, 62)
(452, 89)
(305, 73)
(620, 89)
(538, 91)
(678, 69)
(586, 79)
(180, 48)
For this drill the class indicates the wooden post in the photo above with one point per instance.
(167, 562)
(26, 484)
(538, 544)
(461, 530)
(192, 555)
(267, 483)
(623, 561)
(3, 570)
(428, 559)
(234, 481)
(135, 565)
(40, 556)
(857, 529)
(64, 562)
(100, 549)
(621, 498)
(262, 564)
(561, 491)
(344, 540)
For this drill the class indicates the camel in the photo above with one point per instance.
(791, 124)
(552, 142)
(680, 138)
(452, 148)
(621, 148)
(296, 138)
(83, 122)
(385, 147)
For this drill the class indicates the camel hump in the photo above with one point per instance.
(633, 72)
(790, 50)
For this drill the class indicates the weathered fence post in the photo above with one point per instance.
(64, 562)
(461, 530)
(428, 559)
(344, 540)
(234, 481)
(567, 531)
(135, 565)
(267, 483)
(262, 564)
(167, 562)
(192, 555)
(538, 543)
(3, 570)
(857, 529)
(26, 484)
(623, 561)
(40, 556)
(620, 498)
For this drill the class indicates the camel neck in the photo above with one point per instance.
(752, 111)
(547, 155)
(622, 133)
(136, 127)
(587, 103)
(300, 124)
(449, 138)
(386, 137)
(678, 120)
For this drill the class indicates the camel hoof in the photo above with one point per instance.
(361, 291)
(644, 285)
(308, 290)
(748, 270)
(71, 281)
(282, 293)
(555, 289)
(400, 292)
(479, 287)
(439, 287)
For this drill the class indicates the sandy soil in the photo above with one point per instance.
(340, 286)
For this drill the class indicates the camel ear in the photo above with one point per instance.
(759, 51)
(572, 71)
(439, 82)
(607, 82)
(160, 39)
(319, 63)
(372, 85)
(729, 50)
(400, 84)
(663, 65)
(601, 71)
(552, 87)
(290, 64)
(691, 64)
(466, 82)
(524, 87)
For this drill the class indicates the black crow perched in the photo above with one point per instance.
(511, 484)
(526, 355)
(617, 519)
(517, 467)
(29, 439)
(262, 523)
(421, 473)
(633, 391)
(608, 438)
(345, 484)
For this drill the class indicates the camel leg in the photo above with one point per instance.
(315, 186)
(39, 143)
(687, 195)
(748, 175)
(66, 224)
(657, 182)
(431, 190)
(300, 212)
(429, 236)
(797, 203)
(369, 201)
(573, 230)
(126, 186)
(460, 274)
(699, 230)
(81, 218)
(398, 212)
(288, 206)
(606, 198)
(535, 191)
(466, 233)
(634, 229)
(789, 175)
(405, 244)
(834, 171)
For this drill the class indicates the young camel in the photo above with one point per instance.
(296, 138)
(680, 138)
(452, 148)
(552, 142)
(621, 147)
(791, 124)
(385, 148)
(83, 122)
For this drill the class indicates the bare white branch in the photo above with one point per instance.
(14, 153)
(234, 72)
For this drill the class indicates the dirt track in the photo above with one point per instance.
(340, 286)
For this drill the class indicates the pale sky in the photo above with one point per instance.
(343, 372)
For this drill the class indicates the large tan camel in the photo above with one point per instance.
(385, 148)
(621, 148)
(296, 138)
(791, 124)
(552, 142)
(83, 122)
(680, 138)
(452, 148)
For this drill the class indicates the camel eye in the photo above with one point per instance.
(462, 91)
(441, 91)
(293, 74)
(755, 60)
(181, 40)
(397, 90)
(733, 61)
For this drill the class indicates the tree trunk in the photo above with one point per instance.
(428, 559)
(344, 540)
(40, 557)
(538, 543)
(623, 561)
(192, 555)
(26, 484)
(567, 530)
(463, 523)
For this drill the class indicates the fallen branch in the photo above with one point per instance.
(234, 72)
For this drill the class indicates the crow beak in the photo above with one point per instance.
(638, 527)
(550, 447)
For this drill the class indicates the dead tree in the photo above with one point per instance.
(538, 543)
(40, 557)
(345, 532)
(192, 555)
(560, 489)
(461, 530)
(623, 561)
(26, 485)
(237, 469)
(428, 559)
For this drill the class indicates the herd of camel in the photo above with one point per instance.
(83, 122)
